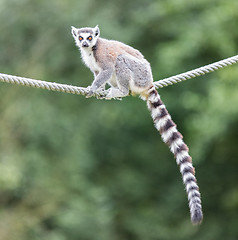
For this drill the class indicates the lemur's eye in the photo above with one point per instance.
(80, 38)
(90, 38)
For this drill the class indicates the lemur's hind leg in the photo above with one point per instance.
(123, 77)
(131, 74)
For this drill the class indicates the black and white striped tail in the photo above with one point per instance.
(170, 135)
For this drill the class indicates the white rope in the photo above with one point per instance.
(84, 91)
(196, 72)
(28, 82)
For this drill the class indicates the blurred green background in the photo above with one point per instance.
(76, 168)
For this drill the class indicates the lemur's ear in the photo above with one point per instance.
(96, 31)
(74, 31)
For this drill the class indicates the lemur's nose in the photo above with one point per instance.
(85, 44)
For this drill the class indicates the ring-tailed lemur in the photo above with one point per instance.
(125, 69)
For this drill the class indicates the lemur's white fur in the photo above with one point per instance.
(90, 61)
(125, 69)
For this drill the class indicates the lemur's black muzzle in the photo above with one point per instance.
(85, 44)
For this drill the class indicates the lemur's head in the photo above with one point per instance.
(85, 37)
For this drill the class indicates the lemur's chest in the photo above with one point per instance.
(90, 61)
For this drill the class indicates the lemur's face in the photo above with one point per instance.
(85, 37)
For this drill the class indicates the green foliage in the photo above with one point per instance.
(76, 168)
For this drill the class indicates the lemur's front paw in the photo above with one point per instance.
(100, 93)
(90, 92)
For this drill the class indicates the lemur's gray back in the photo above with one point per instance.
(125, 69)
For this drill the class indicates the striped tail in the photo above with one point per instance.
(170, 135)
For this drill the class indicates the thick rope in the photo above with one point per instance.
(196, 72)
(100, 94)
(41, 84)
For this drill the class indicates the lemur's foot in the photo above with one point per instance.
(115, 93)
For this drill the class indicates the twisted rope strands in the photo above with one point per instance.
(196, 72)
(84, 91)
(43, 84)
